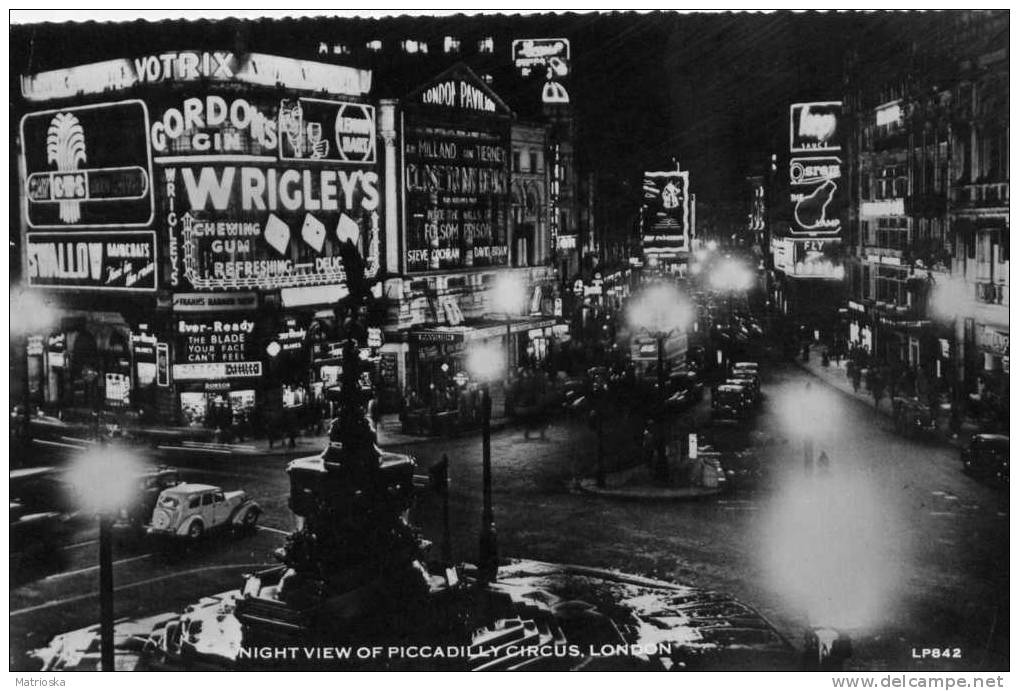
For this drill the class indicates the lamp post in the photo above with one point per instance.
(949, 300)
(30, 314)
(731, 277)
(486, 364)
(103, 480)
(507, 298)
(660, 312)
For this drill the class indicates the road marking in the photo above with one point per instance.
(941, 513)
(192, 449)
(76, 572)
(273, 530)
(50, 442)
(80, 544)
(147, 581)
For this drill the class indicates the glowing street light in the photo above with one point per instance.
(730, 275)
(30, 314)
(508, 294)
(950, 298)
(660, 312)
(104, 480)
(486, 364)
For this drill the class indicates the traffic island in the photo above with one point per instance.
(639, 483)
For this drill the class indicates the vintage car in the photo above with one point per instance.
(749, 384)
(729, 402)
(986, 455)
(150, 484)
(683, 389)
(190, 510)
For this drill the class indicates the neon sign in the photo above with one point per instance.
(814, 127)
(189, 66)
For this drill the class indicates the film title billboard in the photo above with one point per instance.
(667, 219)
(261, 192)
(457, 183)
(456, 174)
(88, 167)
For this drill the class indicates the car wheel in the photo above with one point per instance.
(250, 519)
(195, 530)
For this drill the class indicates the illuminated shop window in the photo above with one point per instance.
(451, 45)
(374, 46)
(486, 45)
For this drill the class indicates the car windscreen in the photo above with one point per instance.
(169, 502)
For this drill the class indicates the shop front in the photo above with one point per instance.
(84, 366)
(217, 368)
(991, 395)
(441, 394)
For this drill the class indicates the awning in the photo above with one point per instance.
(478, 331)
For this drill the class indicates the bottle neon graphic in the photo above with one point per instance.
(812, 211)
(65, 147)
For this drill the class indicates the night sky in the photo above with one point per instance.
(710, 89)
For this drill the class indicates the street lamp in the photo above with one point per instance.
(950, 299)
(30, 314)
(103, 479)
(508, 298)
(731, 277)
(660, 312)
(485, 363)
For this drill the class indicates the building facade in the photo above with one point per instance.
(184, 214)
(927, 162)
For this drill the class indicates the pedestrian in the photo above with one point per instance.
(877, 390)
(823, 464)
(291, 424)
(270, 429)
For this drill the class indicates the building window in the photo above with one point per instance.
(517, 157)
(534, 162)
(411, 46)
(374, 46)
(451, 45)
(486, 45)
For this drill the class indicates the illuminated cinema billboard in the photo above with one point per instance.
(666, 196)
